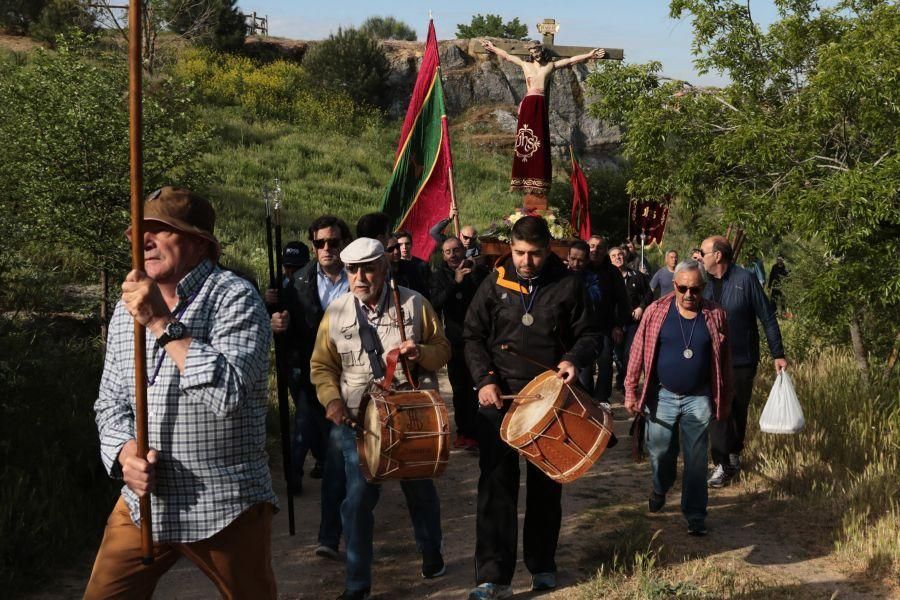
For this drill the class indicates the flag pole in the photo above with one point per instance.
(136, 157)
(453, 202)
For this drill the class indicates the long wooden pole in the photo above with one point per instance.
(453, 202)
(137, 256)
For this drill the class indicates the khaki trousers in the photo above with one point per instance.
(237, 559)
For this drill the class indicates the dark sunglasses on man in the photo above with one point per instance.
(368, 268)
(695, 290)
(331, 242)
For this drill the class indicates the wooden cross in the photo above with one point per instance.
(548, 28)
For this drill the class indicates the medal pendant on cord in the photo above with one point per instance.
(688, 353)
(527, 317)
(527, 320)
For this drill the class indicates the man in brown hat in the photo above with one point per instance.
(207, 363)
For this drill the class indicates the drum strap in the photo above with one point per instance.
(370, 343)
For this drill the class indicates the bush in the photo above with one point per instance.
(352, 62)
(279, 89)
(55, 494)
(387, 28)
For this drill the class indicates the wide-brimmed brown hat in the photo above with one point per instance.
(183, 210)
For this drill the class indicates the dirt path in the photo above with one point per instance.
(752, 538)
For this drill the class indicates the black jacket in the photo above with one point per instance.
(451, 299)
(302, 303)
(615, 309)
(637, 286)
(744, 302)
(564, 327)
(414, 274)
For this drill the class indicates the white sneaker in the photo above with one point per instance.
(720, 477)
(491, 591)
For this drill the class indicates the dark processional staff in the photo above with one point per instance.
(272, 199)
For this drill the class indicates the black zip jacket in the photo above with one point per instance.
(451, 299)
(614, 310)
(564, 327)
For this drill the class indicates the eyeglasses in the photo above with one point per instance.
(695, 290)
(392, 248)
(367, 268)
(467, 237)
(331, 242)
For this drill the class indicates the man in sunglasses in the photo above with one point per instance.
(739, 293)
(682, 352)
(315, 286)
(467, 235)
(356, 333)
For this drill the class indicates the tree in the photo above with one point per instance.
(350, 61)
(64, 161)
(17, 16)
(492, 26)
(388, 28)
(217, 24)
(58, 16)
(801, 145)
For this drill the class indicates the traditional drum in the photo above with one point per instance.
(557, 427)
(403, 435)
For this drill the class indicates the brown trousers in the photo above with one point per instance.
(237, 559)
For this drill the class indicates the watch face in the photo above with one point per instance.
(175, 330)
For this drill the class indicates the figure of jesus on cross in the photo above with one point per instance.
(531, 172)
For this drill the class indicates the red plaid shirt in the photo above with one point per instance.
(642, 360)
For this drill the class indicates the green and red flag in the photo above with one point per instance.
(581, 213)
(418, 194)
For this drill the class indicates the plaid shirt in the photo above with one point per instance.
(209, 423)
(642, 360)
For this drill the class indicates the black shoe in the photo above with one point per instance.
(433, 567)
(316, 472)
(697, 529)
(656, 502)
(355, 595)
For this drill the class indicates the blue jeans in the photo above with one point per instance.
(357, 512)
(669, 417)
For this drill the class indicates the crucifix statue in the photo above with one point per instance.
(531, 172)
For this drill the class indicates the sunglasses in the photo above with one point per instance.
(392, 248)
(467, 237)
(367, 268)
(694, 289)
(331, 242)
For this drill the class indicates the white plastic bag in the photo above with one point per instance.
(782, 413)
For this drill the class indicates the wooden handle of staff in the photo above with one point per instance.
(137, 257)
(404, 362)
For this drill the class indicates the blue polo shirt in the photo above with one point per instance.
(684, 376)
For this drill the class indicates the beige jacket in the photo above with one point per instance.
(340, 368)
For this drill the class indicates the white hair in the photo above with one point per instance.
(691, 265)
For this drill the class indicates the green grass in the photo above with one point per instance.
(327, 172)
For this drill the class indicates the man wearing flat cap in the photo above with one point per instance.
(207, 340)
(342, 367)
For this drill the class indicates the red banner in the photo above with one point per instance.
(581, 214)
(648, 217)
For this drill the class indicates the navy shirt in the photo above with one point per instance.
(685, 376)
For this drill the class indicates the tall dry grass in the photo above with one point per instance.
(845, 463)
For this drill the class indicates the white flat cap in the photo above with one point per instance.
(362, 250)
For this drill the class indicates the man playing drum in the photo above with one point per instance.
(345, 360)
(533, 305)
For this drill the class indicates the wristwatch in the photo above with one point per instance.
(175, 330)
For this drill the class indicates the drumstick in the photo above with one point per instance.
(514, 396)
(529, 359)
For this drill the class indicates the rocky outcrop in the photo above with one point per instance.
(473, 82)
